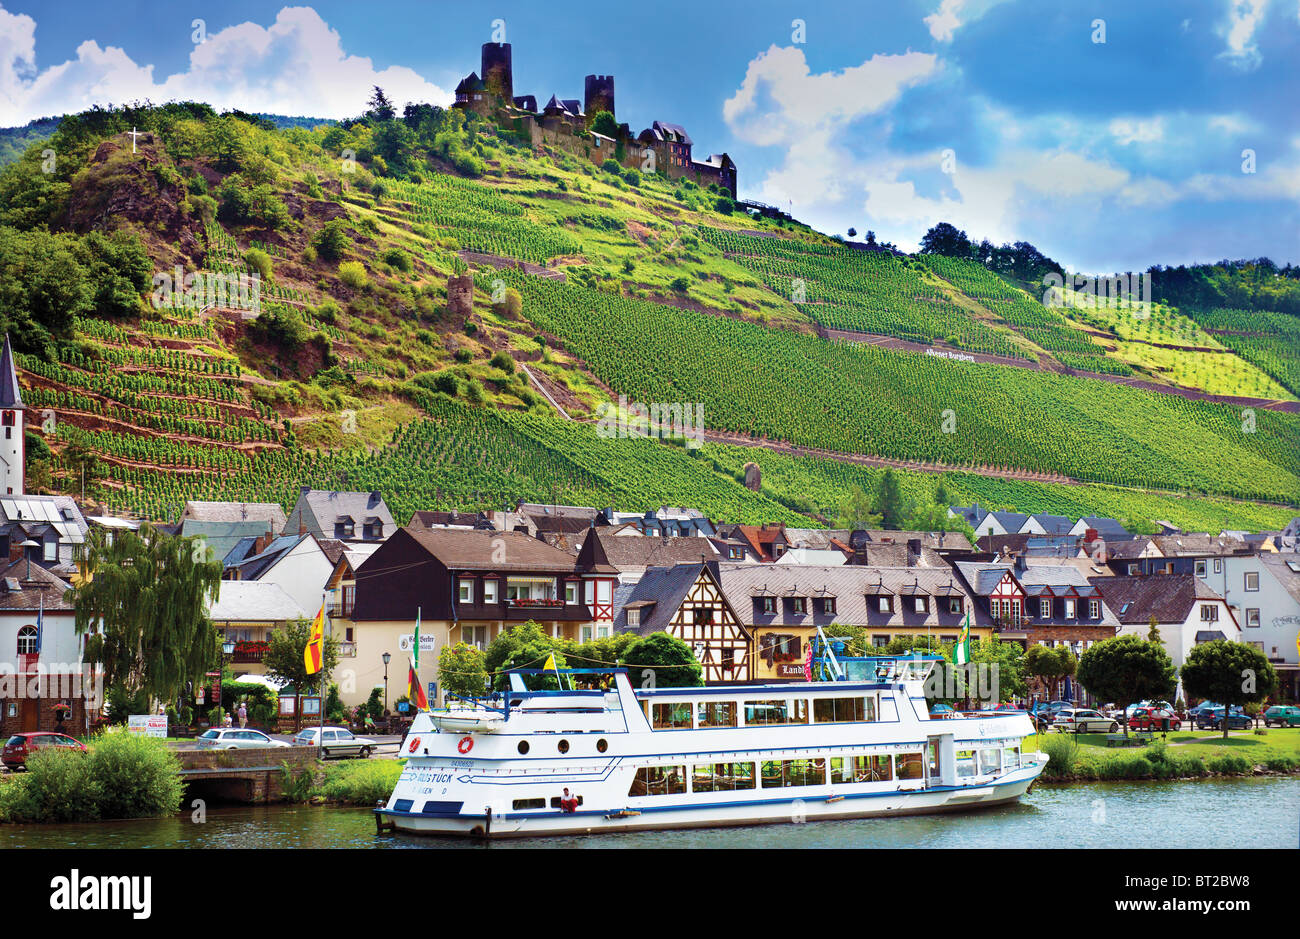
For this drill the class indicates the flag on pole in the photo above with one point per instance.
(414, 691)
(550, 663)
(40, 625)
(807, 663)
(417, 641)
(961, 651)
(313, 654)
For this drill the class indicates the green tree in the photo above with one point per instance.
(855, 510)
(664, 660)
(144, 610)
(1049, 664)
(284, 656)
(1126, 669)
(461, 670)
(603, 123)
(946, 239)
(522, 646)
(1231, 673)
(332, 241)
(889, 502)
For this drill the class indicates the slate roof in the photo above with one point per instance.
(658, 594)
(470, 83)
(317, 510)
(253, 601)
(1053, 524)
(673, 133)
(222, 537)
(251, 568)
(268, 512)
(423, 519)
(37, 589)
(1286, 568)
(1011, 521)
(10, 394)
(1196, 545)
(1128, 548)
(1106, 527)
(463, 550)
(36, 515)
(625, 553)
(1169, 597)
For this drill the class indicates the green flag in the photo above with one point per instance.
(416, 665)
(961, 651)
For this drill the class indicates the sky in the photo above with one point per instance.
(1111, 134)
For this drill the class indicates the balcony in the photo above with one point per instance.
(347, 650)
(248, 653)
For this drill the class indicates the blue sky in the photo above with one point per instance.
(1010, 118)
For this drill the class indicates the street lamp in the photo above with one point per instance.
(228, 647)
(387, 658)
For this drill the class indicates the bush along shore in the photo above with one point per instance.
(123, 776)
(348, 782)
(1068, 761)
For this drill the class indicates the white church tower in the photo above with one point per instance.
(13, 444)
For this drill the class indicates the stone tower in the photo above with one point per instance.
(497, 73)
(599, 95)
(12, 446)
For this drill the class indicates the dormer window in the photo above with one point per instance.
(1044, 609)
(800, 604)
(1094, 609)
(633, 618)
(828, 606)
(769, 605)
(954, 604)
(885, 603)
(1069, 608)
(921, 604)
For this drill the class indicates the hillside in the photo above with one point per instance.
(358, 367)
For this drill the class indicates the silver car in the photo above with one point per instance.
(1084, 721)
(234, 738)
(338, 741)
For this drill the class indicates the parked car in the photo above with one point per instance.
(1212, 719)
(1007, 706)
(1284, 715)
(1044, 713)
(233, 738)
(1193, 713)
(1084, 721)
(20, 746)
(337, 741)
(1151, 719)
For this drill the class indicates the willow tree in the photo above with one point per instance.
(144, 610)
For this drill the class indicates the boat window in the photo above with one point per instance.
(658, 781)
(910, 766)
(602, 745)
(674, 715)
(776, 712)
(965, 763)
(555, 801)
(715, 714)
(779, 773)
(837, 710)
(523, 746)
(841, 770)
(1010, 757)
(933, 748)
(522, 804)
(988, 762)
(722, 777)
(563, 746)
(403, 805)
(873, 768)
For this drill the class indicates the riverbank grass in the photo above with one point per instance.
(1186, 754)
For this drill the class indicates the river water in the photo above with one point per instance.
(1217, 813)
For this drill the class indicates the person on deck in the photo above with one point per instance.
(568, 803)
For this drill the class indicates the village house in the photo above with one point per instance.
(469, 586)
(1263, 591)
(300, 564)
(345, 516)
(246, 614)
(51, 530)
(269, 513)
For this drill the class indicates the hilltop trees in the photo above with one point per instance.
(945, 238)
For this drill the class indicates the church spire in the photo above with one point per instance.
(10, 396)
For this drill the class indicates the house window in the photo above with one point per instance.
(1252, 619)
(1201, 568)
(886, 604)
(349, 599)
(800, 604)
(1069, 608)
(1252, 580)
(571, 592)
(1218, 565)
(769, 605)
(490, 590)
(465, 590)
(27, 640)
(51, 550)
(880, 641)
(474, 636)
(954, 605)
(1133, 568)
(1209, 613)
(1094, 609)
(921, 604)
(1044, 609)
(736, 554)
(704, 616)
(948, 639)
(586, 633)
(633, 618)
(828, 605)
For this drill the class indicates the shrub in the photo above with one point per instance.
(360, 782)
(295, 786)
(57, 787)
(503, 361)
(1060, 750)
(397, 258)
(138, 775)
(611, 166)
(447, 383)
(1281, 762)
(474, 392)
(259, 261)
(332, 241)
(353, 273)
(462, 355)
(680, 284)
(1229, 764)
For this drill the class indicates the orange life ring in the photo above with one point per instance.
(415, 742)
(466, 744)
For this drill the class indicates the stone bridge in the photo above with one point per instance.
(253, 775)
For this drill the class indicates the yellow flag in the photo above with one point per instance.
(313, 654)
(550, 662)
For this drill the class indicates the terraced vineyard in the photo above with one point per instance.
(862, 291)
(856, 398)
(1270, 341)
(480, 219)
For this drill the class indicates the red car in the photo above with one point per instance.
(1141, 719)
(20, 746)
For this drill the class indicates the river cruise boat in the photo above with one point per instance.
(860, 746)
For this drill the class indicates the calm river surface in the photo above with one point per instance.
(1244, 813)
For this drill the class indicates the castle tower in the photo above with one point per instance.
(497, 73)
(599, 95)
(12, 445)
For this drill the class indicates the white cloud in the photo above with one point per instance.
(1132, 130)
(1244, 17)
(954, 14)
(295, 66)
